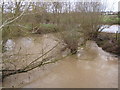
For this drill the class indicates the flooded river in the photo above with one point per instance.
(90, 68)
(112, 28)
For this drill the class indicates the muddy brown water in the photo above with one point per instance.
(90, 68)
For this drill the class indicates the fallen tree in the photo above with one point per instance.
(34, 64)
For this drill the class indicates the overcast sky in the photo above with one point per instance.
(112, 5)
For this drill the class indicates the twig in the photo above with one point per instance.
(42, 55)
(4, 24)
(42, 63)
(31, 66)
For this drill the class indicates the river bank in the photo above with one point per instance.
(109, 42)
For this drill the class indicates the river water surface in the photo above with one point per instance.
(90, 68)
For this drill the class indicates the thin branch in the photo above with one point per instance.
(42, 55)
(31, 66)
(4, 24)
(38, 64)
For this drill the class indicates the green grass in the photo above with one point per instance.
(111, 19)
(46, 28)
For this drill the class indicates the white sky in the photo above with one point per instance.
(112, 5)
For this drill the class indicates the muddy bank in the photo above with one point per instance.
(90, 68)
(109, 43)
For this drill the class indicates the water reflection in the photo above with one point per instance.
(10, 44)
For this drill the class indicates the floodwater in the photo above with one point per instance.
(112, 28)
(90, 68)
